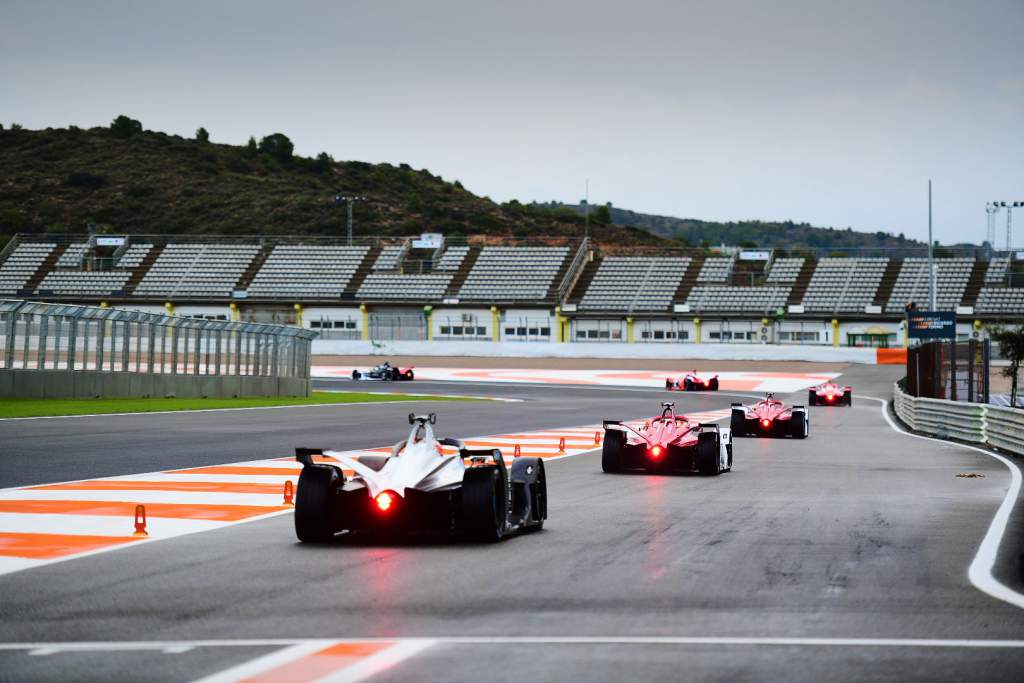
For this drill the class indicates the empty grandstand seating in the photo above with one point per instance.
(844, 284)
(634, 283)
(912, 284)
(83, 283)
(785, 269)
(390, 257)
(197, 270)
(715, 269)
(72, 256)
(1000, 300)
(428, 287)
(134, 255)
(22, 264)
(312, 271)
(513, 273)
(997, 269)
(452, 258)
(737, 299)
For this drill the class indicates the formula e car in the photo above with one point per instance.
(418, 488)
(385, 372)
(666, 443)
(691, 381)
(769, 417)
(830, 394)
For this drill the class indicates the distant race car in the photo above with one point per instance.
(666, 443)
(830, 394)
(691, 381)
(769, 417)
(385, 372)
(417, 488)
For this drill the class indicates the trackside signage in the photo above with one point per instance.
(931, 325)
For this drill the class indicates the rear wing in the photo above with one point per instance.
(305, 455)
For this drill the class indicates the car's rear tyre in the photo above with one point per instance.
(668, 384)
(714, 384)
(356, 374)
(409, 375)
(737, 423)
(483, 504)
(812, 397)
(799, 425)
(848, 398)
(396, 375)
(687, 385)
(313, 514)
(708, 454)
(612, 447)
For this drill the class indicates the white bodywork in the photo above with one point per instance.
(724, 444)
(417, 464)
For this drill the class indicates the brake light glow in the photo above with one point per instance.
(831, 397)
(766, 423)
(385, 500)
(656, 451)
(707, 382)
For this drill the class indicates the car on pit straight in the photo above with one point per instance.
(691, 381)
(666, 443)
(385, 372)
(469, 494)
(770, 417)
(830, 394)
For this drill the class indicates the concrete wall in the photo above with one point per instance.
(92, 384)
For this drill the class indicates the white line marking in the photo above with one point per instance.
(269, 661)
(319, 643)
(980, 570)
(378, 662)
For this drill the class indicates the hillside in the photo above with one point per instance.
(136, 181)
(785, 234)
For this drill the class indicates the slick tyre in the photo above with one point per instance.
(800, 425)
(483, 505)
(409, 376)
(812, 398)
(313, 514)
(356, 374)
(736, 423)
(714, 384)
(612, 447)
(708, 455)
(848, 398)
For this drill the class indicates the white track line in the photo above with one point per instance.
(378, 662)
(980, 570)
(258, 665)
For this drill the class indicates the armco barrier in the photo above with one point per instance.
(991, 425)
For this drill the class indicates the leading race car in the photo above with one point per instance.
(769, 417)
(830, 394)
(691, 381)
(666, 443)
(385, 372)
(417, 488)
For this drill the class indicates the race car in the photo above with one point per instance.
(385, 372)
(666, 443)
(470, 494)
(769, 417)
(691, 381)
(830, 394)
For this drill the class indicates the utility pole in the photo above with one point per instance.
(931, 262)
(348, 200)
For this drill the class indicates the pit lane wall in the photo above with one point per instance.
(755, 352)
(979, 423)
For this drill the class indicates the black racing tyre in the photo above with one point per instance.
(812, 397)
(483, 504)
(374, 462)
(708, 455)
(736, 423)
(687, 385)
(356, 374)
(396, 375)
(612, 447)
(668, 384)
(714, 384)
(848, 398)
(409, 375)
(799, 425)
(313, 514)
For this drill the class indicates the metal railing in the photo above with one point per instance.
(980, 423)
(44, 336)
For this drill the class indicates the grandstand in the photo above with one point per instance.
(668, 295)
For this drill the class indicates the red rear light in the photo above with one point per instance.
(766, 423)
(385, 500)
(707, 382)
(831, 397)
(656, 451)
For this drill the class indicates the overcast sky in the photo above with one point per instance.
(836, 113)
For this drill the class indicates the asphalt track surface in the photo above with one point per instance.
(856, 532)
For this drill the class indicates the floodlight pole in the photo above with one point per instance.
(586, 209)
(348, 200)
(931, 262)
(991, 209)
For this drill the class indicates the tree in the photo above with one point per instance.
(124, 127)
(1011, 347)
(323, 162)
(15, 126)
(602, 215)
(278, 146)
(250, 148)
(202, 135)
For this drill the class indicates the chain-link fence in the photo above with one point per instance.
(58, 337)
(956, 371)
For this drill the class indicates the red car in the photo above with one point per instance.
(691, 381)
(770, 417)
(830, 394)
(666, 443)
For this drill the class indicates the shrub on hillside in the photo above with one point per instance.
(278, 146)
(124, 127)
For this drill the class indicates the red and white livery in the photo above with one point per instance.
(666, 443)
(691, 381)
(770, 417)
(830, 394)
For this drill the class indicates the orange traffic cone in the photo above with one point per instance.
(561, 444)
(517, 452)
(140, 521)
(289, 495)
(597, 437)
